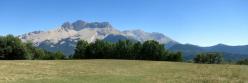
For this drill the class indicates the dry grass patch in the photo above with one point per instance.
(119, 71)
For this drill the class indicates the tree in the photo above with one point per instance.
(2, 47)
(243, 62)
(214, 58)
(99, 49)
(108, 50)
(12, 48)
(34, 53)
(80, 50)
(59, 55)
(39, 54)
(30, 50)
(123, 49)
(175, 57)
(152, 50)
(136, 50)
(209, 58)
(200, 58)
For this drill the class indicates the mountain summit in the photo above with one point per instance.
(79, 25)
(65, 37)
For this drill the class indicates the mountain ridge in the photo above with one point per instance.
(64, 39)
(229, 52)
(66, 36)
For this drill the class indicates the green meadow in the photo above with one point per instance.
(119, 71)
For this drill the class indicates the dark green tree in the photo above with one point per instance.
(209, 58)
(243, 62)
(200, 58)
(108, 50)
(80, 50)
(59, 55)
(177, 56)
(214, 58)
(30, 50)
(99, 49)
(136, 50)
(12, 48)
(123, 49)
(39, 54)
(152, 50)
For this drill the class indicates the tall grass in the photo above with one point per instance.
(119, 71)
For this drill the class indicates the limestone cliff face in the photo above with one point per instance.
(65, 37)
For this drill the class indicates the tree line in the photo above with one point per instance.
(216, 58)
(125, 49)
(12, 48)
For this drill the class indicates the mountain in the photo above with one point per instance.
(231, 49)
(229, 52)
(65, 37)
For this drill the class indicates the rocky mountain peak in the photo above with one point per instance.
(79, 25)
(99, 25)
(67, 25)
(69, 33)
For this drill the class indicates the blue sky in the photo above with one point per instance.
(200, 22)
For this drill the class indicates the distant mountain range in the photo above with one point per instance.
(229, 52)
(65, 37)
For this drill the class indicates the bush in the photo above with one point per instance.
(243, 62)
(209, 58)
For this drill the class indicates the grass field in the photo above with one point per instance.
(119, 71)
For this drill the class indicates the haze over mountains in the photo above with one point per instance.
(65, 37)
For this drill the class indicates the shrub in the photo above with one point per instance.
(243, 62)
(209, 58)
